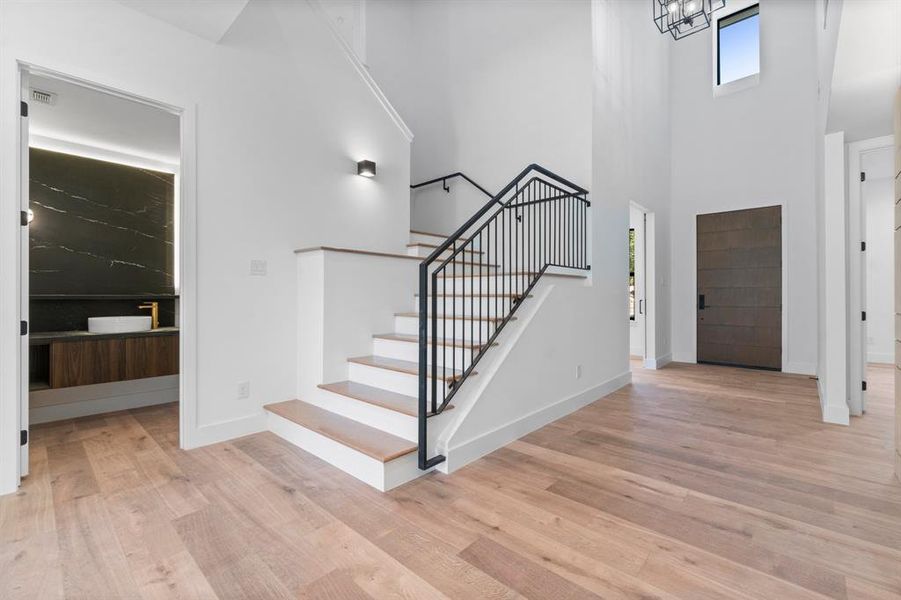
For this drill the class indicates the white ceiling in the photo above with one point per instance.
(209, 19)
(867, 68)
(81, 117)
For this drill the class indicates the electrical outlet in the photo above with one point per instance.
(244, 390)
(258, 268)
(578, 371)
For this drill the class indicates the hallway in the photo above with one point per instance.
(694, 482)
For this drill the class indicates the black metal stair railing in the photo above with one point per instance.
(473, 283)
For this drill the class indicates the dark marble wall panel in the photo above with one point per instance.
(71, 314)
(99, 227)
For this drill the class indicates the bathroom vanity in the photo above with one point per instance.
(76, 358)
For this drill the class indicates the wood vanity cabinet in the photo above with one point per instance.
(86, 362)
(151, 356)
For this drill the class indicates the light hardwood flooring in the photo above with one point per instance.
(694, 482)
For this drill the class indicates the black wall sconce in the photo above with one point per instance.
(366, 168)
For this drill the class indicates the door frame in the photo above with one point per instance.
(14, 290)
(856, 260)
(783, 215)
(640, 282)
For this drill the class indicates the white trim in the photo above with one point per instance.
(362, 71)
(800, 368)
(221, 431)
(95, 152)
(464, 453)
(659, 362)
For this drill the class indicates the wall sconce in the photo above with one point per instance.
(366, 168)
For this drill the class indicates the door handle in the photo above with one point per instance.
(641, 307)
(701, 305)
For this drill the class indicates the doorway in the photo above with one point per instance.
(739, 296)
(871, 216)
(637, 278)
(101, 183)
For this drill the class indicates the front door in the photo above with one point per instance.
(739, 300)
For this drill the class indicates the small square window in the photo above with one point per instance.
(738, 45)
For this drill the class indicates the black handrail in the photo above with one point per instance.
(444, 179)
(540, 220)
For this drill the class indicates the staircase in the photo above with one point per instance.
(379, 423)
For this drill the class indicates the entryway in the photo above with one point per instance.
(739, 299)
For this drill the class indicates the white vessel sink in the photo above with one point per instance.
(118, 324)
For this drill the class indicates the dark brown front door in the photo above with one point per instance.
(740, 288)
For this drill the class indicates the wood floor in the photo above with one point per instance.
(694, 482)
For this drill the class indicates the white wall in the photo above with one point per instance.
(277, 136)
(752, 148)
(880, 275)
(488, 88)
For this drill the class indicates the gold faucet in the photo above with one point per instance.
(154, 313)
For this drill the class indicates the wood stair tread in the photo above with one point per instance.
(425, 245)
(372, 442)
(401, 403)
(404, 366)
(455, 317)
(414, 339)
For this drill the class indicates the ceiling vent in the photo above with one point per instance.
(43, 97)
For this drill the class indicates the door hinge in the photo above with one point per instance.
(863, 246)
(863, 315)
(23, 327)
(23, 218)
(23, 108)
(863, 386)
(23, 437)
(863, 176)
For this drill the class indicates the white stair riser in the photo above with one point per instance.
(455, 305)
(394, 381)
(457, 329)
(391, 421)
(436, 240)
(410, 351)
(480, 285)
(357, 464)
(468, 269)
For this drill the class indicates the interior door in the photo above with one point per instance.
(23, 283)
(739, 300)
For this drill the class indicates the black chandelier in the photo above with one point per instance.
(682, 18)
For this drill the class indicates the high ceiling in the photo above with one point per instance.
(867, 68)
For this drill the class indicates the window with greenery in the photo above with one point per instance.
(738, 45)
(631, 274)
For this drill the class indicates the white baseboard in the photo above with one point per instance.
(882, 358)
(800, 368)
(659, 362)
(466, 452)
(837, 414)
(223, 431)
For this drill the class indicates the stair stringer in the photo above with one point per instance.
(527, 381)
